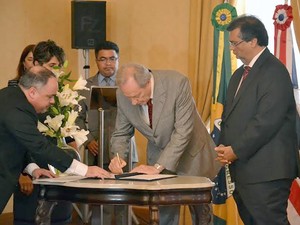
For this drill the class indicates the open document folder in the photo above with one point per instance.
(125, 176)
(143, 177)
(58, 180)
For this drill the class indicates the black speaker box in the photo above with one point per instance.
(88, 23)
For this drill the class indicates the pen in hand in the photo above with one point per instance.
(118, 157)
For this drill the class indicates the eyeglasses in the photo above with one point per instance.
(234, 44)
(106, 60)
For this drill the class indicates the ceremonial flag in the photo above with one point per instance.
(283, 41)
(293, 209)
(283, 17)
(224, 207)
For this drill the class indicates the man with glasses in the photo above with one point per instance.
(258, 135)
(107, 60)
(234, 44)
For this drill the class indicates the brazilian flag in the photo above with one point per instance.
(224, 207)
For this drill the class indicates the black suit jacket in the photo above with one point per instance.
(259, 123)
(19, 136)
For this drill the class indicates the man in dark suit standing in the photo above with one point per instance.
(258, 136)
(19, 134)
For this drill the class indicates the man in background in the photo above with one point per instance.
(107, 60)
(258, 134)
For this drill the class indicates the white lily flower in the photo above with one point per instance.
(57, 72)
(80, 84)
(50, 133)
(42, 127)
(54, 123)
(67, 96)
(69, 130)
(72, 117)
(80, 137)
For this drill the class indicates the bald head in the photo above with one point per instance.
(36, 76)
(134, 71)
(134, 80)
(39, 86)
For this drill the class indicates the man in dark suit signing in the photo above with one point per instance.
(19, 134)
(258, 136)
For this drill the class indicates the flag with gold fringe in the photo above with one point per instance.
(224, 208)
(284, 51)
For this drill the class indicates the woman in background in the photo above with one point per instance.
(25, 62)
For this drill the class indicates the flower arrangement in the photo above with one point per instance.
(61, 116)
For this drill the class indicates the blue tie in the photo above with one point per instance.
(107, 81)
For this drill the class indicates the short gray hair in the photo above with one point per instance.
(141, 74)
(36, 76)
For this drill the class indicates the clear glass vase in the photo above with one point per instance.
(61, 143)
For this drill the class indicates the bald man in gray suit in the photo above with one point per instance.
(177, 138)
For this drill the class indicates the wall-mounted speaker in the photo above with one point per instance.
(88, 23)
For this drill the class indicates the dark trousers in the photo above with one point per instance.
(263, 203)
(25, 209)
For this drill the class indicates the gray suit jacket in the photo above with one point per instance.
(88, 119)
(179, 140)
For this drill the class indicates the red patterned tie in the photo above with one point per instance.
(246, 72)
(150, 107)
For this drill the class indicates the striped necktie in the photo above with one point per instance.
(150, 108)
(246, 72)
(244, 76)
(107, 81)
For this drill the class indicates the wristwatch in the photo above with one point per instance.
(158, 167)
